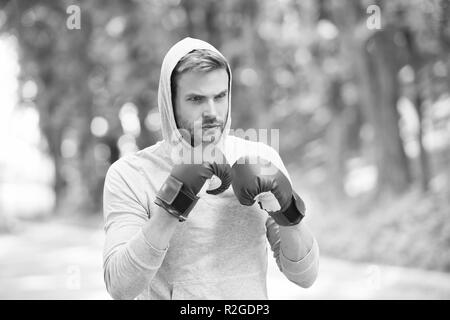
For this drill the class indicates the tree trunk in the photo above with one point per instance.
(337, 141)
(394, 172)
(374, 54)
(423, 155)
(444, 34)
(53, 136)
(419, 66)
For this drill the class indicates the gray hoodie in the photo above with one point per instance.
(220, 252)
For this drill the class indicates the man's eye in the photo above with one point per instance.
(220, 96)
(195, 99)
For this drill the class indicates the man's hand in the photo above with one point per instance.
(178, 194)
(255, 177)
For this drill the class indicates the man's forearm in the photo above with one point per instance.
(299, 256)
(130, 269)
(296, 241)
(160, 228)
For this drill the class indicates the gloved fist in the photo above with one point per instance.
(254, 178)
(178, 194)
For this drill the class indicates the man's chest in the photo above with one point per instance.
(218, 233)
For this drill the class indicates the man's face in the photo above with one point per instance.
(201, 104)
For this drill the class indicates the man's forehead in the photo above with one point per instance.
(209, 82)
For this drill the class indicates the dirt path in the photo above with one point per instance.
(57, 260)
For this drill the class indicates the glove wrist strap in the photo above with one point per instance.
(293, 214)
(174, 199)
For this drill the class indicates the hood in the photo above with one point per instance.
(170, 133)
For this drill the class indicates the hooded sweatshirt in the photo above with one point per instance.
(220, 251)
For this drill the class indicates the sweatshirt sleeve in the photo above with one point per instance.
(303, 272)
(129, 260)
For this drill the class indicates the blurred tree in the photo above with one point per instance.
(377, 62)
(419, 65)
(36, 24)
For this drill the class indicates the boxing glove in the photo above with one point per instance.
(254, 178)
(178, 194)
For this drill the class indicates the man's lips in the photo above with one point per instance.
(209, 126)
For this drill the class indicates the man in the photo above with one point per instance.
(167, 237)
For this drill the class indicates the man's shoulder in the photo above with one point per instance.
(155, 149)
(132, 162)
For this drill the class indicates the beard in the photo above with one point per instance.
(207, 130)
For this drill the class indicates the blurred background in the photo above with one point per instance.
(360, 91)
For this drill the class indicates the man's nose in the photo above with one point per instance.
(210, 108)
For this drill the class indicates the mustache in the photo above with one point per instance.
(212, 123)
